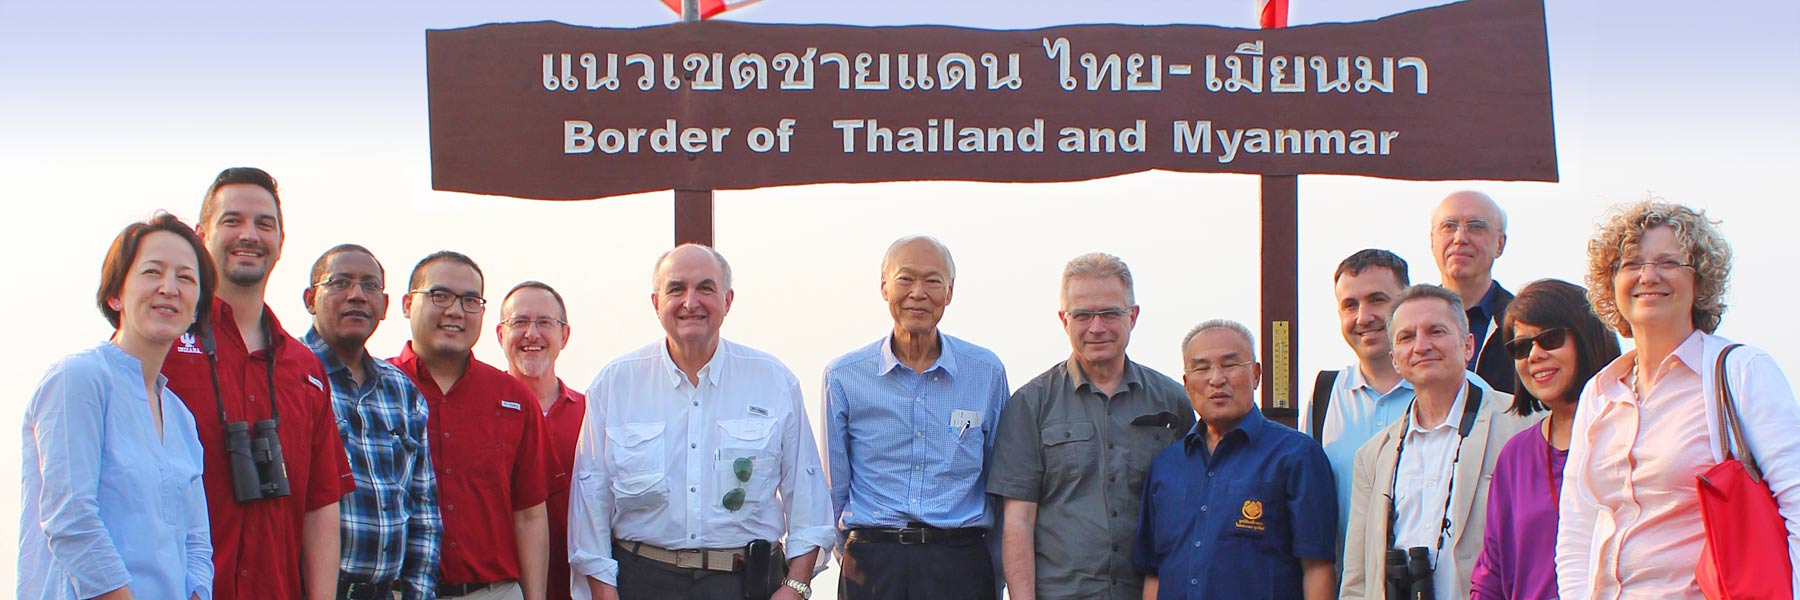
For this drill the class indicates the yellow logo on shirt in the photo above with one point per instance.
(1253, 513)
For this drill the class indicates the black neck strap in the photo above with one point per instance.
(208, 344)
(1471, 411)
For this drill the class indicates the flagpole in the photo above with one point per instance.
(693, 208)
(1280, 273)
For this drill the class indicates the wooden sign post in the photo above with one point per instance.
(559, 112)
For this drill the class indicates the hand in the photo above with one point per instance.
(786, 593)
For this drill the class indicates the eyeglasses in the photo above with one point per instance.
(1548, 339)
(542, 323)
(1228, 369)
(442, 297)
(741, 469)
(1110, 315)
(1666, 266)
(341, 284)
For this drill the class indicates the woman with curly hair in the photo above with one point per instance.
(1630, 511)
(1556, 345)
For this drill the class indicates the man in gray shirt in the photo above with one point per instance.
(1073, 445)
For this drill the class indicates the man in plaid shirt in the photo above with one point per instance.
(390, 525)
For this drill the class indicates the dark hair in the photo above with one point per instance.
(124, 251)
(542, 286)
(1373, 257)
(412, 282)
(1552, 303)
(318, 268)
(250, 175)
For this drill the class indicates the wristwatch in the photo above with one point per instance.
(798, 586)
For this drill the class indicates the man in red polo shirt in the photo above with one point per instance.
(533, 328)
(488, 445)
(266, 544)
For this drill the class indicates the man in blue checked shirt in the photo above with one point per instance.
(390, 525)
(909, 422)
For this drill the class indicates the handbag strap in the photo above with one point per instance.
(1733, 446)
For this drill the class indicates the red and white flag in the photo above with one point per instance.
(709, 8)
(1271, 14)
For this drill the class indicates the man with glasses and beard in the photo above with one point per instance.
(534, 327)
(697, 458)
(275, 539)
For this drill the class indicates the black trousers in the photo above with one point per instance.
(644, 579)
(895, 571)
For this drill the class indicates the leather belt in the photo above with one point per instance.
(452, 590)
(917, 535)
(361, 590)
(705, 559)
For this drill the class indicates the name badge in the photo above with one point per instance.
(511, 405)
(757, 410)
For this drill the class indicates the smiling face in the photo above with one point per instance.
(1363, 302)
(1547, 374)
(244, 234)
(533, 331)
(1098, 315)
(156, 302)
(1430, 350)
(347, 317)
(1652, 297)
(444, 331)
(917, 287)
(690, 299)
(1466, 237)
(1220, 374)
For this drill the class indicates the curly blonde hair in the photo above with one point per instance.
(1700, 240)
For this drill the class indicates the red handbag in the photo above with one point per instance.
(1746, 551)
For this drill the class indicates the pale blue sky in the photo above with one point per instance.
(109, 110)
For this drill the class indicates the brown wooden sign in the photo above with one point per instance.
(553, 111)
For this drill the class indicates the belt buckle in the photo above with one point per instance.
(912, 536)
(690, 559)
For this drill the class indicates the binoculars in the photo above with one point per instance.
(1408, 573)
(257, 469)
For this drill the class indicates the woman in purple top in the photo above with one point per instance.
(1556, 344)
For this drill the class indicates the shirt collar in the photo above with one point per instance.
(1252, 427)
(1452, 421)
(1486, 305)
(708, 374)
(222, 313)
(946, 359)
(1355, 380)
(1611, 379)
(113, 353)
(564, 394)
(1127, 379)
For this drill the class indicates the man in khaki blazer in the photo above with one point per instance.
(1446, 444)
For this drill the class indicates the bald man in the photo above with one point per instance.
(1468, 233)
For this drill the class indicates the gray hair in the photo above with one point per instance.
(1098, 264)
(1426, 290)
(1226, 324)
(724, 267)
(887, 260)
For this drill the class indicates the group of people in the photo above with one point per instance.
(1490, 445)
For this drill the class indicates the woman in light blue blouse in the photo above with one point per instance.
(113, 504)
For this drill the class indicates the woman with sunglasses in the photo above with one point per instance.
(1648, 424)
(113, 504)
(1556, 345)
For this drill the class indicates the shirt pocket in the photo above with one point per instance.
(1068, 448)
(635, 448)
(1259, 511)
(966, 453)
(753, 440)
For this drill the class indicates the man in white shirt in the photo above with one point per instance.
(695, 447)
(1422, 482)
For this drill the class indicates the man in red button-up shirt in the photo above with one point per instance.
(275, 547)
(533, 328)
(487, 441)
